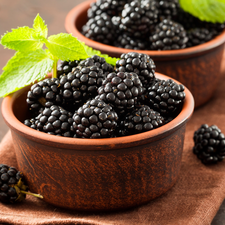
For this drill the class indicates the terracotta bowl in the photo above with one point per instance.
(198, 68)
(97, 174)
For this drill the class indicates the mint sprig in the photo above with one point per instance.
(206, 10)
(38, 54)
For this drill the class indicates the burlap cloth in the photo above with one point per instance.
(194, 199)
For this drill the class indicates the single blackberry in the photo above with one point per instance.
(197, 36)
(11, 182)
(139, 17)
(100, 28)
(95, 119)
(141, 119)
(209, 144)
(126, 41)
(12, 185)
(165, 96)
(64, 67)
(139, 63)
(168, 35)
(47, 90)
(110, 7)
(98, 61)
(168, 9)
(53, 120)
(80, 85)
(121, 90)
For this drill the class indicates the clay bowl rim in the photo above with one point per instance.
(96, 144)
(72, 19)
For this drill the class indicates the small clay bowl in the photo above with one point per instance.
(198, 68)
(97, 174)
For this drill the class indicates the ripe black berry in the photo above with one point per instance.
(209, 144)
(165, 96)
(139, 63)
(168, 35)
(121, 90)
(95, 119)
(141, 119)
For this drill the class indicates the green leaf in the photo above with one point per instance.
(23, 69)
(22, 39)
(40, 27)
(90, 51)
(66, 47)
(206, 10)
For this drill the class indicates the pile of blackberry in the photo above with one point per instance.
(93, 99)
(146, 25)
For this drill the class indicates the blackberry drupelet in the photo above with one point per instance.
(53, 120)
(64, 67)
(126, 41)
(43, 92)
(11, 185)
(121, 90)
(165, 96)
(139, 63)
(141, 119)
(168, 35)
(138, 17)
(100, 28)
(209, 144)
(168, 9)
(110, 7)
(95, 119)
(197, 36)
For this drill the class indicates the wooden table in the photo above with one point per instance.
(22, 13)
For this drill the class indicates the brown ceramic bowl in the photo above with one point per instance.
(97, 174)
(198, 68)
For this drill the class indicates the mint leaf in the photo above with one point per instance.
(40, 27)
(90, 51)
(206, 10)
(23, 69)
(66, 47)
(21, 39)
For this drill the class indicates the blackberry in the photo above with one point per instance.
(168, 35)
(12, 185)
(209, 144)
(168, 9)
(126, 41)
(100, 28)
(53, 120)
(197, 36)
(141, 119)
(110, 7)
(165, 96)
(81, 85)
(138, 17)
(121, 90)
(98, 61)
(43, 92)
(64, 67)
(95, 119)
(11, 182)
(139, 63)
